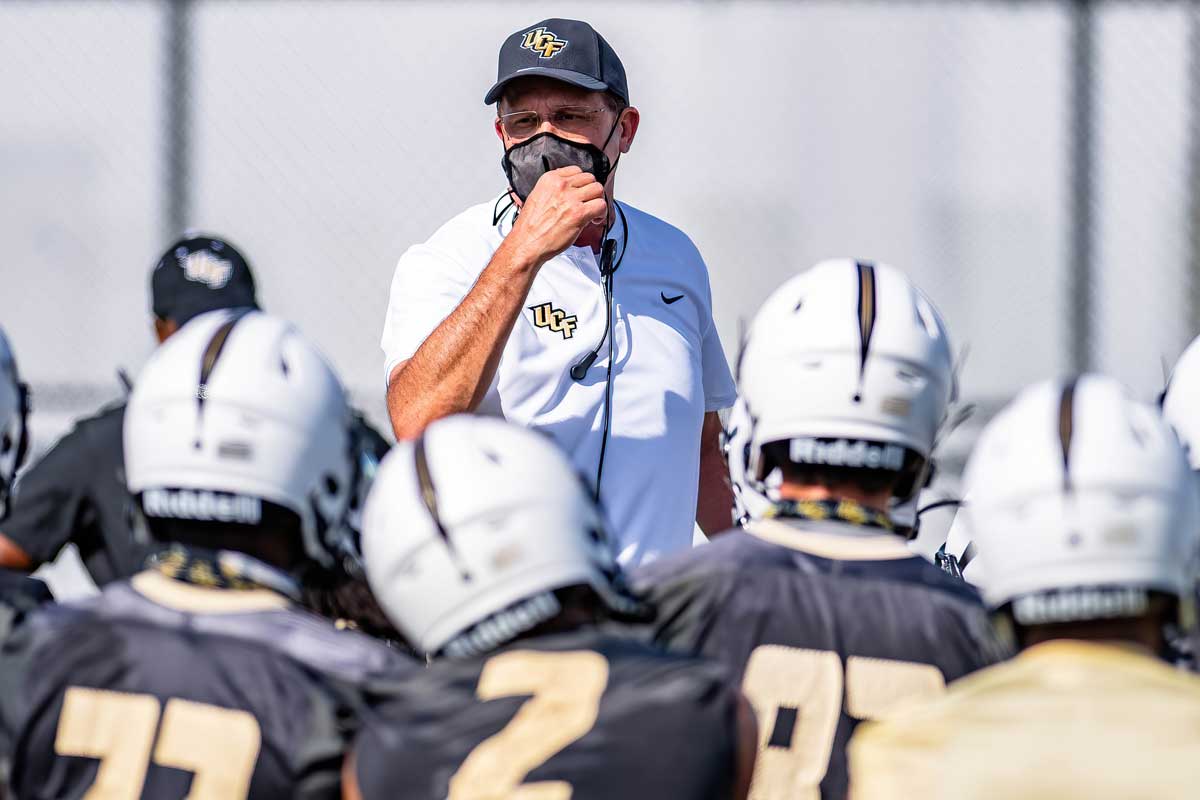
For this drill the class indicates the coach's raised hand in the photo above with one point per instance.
(563, 202)
(452, 370)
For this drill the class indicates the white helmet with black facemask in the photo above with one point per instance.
(470, 530)
(749, 500)
(236, 415)
(1082, 504)
(14, 422)
(847, 365)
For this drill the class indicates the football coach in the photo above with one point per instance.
(559, 308)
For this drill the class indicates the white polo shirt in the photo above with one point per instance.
(669, 368)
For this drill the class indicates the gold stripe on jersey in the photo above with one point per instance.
(175, 594)
(1063, 720)
(818, 539)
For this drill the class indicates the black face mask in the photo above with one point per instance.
(529, 160)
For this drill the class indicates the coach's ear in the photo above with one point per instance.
(747, 748)
(631, 118)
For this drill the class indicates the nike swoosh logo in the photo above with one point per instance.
(669, 300)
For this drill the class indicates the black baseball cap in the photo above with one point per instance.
(199, 274)
(564, 49)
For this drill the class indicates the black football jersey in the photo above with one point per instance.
(823, 625)
(75, 494)
(20, 594)
(161, 689)
(583, 715)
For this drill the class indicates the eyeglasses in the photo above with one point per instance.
(572, 119)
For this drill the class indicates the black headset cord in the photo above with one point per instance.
(607, 267)
(607, 271)
(579, 371)
(608, 290)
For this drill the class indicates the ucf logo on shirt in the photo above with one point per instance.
(547, 316)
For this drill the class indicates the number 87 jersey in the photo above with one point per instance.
(824, 627)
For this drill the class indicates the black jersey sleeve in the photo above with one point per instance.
(686, 601)
(76, 494)
(52, 500)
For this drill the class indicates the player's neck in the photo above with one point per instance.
(877, 501)
(571, 618)
(1145, 633)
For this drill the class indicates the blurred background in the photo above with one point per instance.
(1032, 164)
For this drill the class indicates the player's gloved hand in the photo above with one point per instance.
(563, 202)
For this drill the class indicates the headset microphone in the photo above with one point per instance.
(606, 257)
(580, 370)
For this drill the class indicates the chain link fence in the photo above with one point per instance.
(1032, 164)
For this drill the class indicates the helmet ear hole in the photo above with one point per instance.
(917, 474)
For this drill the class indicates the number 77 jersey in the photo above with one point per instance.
(825, 625)
(166, 690)
(571, 716)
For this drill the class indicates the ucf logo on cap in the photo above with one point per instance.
(543, 42)
(203, 267)
(547, 316)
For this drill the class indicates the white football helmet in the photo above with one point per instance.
(1081, 501)
(469, 528)
(243, 405)
(1181, 401)
(14, 422)
(851, 365)
(750, 498)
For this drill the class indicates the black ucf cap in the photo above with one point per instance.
(565, 50)
(199, 274)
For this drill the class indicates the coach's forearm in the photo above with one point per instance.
(452, 370)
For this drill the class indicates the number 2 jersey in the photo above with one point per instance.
(583, 714)
(160, 688)
(824, 623)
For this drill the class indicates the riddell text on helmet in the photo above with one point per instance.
(201, 505)
(843, 453)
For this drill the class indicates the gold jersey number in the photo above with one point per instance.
(565, 691)
(218, 745)
(809, 686)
